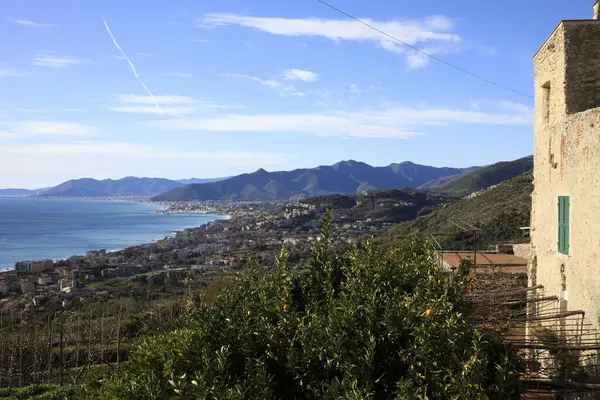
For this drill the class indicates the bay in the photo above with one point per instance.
(33, 229)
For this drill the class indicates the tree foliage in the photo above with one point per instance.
(357, 325)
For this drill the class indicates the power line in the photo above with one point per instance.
(453, 222)
(469, 225)
(424, 52)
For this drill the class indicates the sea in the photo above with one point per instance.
(34, 229)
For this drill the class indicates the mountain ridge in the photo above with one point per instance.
(472, 181)
(344, 177)
(127, 186)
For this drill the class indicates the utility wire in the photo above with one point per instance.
(469, 225)
(424, 52)
(453, 222)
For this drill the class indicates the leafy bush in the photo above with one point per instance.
(38, 392)
(360, 325)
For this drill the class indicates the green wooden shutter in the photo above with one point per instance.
(560, 224)
(566, 223)
(563, 224)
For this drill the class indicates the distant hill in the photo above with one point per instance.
(436, 183)
(197, 180)
(129, 186)
(17, 192)
(380, 206)
(344, 177)
(498, 212)
(472, 181)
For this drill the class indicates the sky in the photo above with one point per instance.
(210, 88)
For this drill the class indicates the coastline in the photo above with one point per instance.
(159, 206)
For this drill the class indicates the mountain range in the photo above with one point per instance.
(344, 177)
(87, 187)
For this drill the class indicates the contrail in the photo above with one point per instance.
(130, 64)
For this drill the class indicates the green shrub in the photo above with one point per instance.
(38, 392)
(360, 325)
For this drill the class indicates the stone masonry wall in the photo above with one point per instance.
(582, 53)
(566, 163)
(522, 250)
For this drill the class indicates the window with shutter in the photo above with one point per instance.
(563, 224)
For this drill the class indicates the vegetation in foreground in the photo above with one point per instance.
(361, 325)
(356, 325)
(38, 392)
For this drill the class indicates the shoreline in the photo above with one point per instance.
(165, 206)
(159, 207)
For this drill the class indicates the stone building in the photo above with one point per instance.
(565, 219)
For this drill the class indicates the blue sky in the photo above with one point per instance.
(229, 86)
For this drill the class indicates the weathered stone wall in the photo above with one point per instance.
(582, 54)
(567, 163)
(522, 250)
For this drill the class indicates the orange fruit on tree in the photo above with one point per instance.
(249, 313)
(469, 288)
(429, 312)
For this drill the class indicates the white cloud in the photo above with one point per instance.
(299, 75)
(55, 62)
(433, 32)
(173, 111)
(173, 105)
(340, 125)
(44, 128)
(283, 90)
(47, 164)
(5, 72)
(416, 60)
(356, 89)
(179, 74)
(27, 22)
(265, 82)
(513, 106)
(136, 150)
(49, 110)
(166, 99)
(420, 59)
(393, 122)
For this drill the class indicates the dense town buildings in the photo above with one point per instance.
(252, 232)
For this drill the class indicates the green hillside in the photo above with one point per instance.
(381, 206)
(483, 178)
(499, 213)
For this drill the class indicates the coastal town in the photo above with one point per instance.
(252, 232)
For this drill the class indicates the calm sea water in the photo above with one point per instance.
(32, 229)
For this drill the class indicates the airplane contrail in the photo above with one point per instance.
(130, 64)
